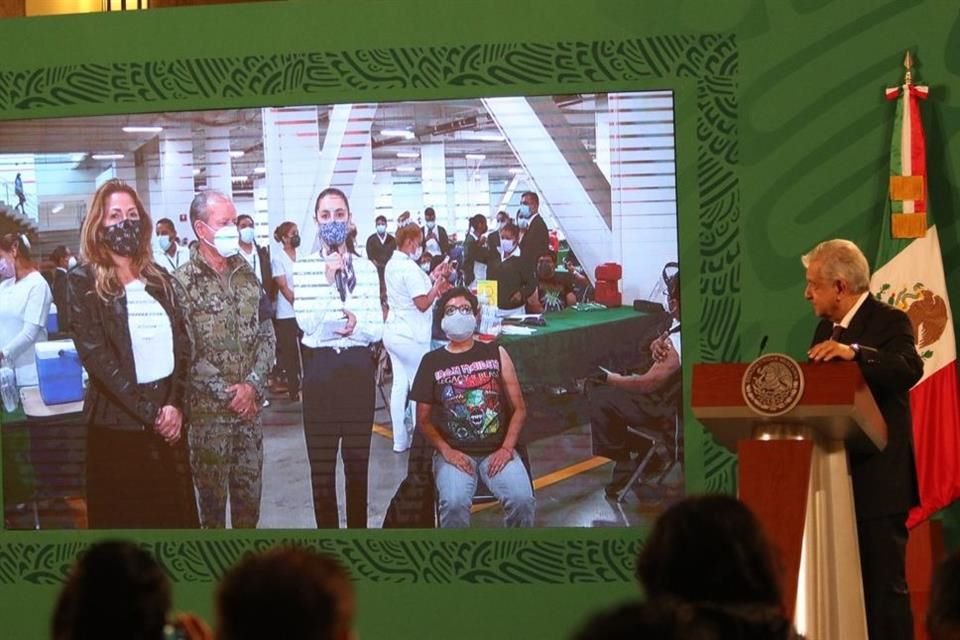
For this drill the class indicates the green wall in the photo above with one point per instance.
(782, 141)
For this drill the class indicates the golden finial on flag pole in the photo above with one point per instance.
(908, 65)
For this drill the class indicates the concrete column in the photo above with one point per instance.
(433, 167)
(218, 166)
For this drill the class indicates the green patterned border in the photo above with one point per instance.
(708, 62)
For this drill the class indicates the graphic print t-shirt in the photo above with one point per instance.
(553, 291)
(467, 397)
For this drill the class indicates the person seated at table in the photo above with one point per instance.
(515, 278)
(618, 400)
(25, 299)
(555, 289)
(471, 409)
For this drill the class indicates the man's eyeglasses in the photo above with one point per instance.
(464, 309)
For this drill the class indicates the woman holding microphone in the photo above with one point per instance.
(338, 309)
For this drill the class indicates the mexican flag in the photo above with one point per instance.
(909, 275)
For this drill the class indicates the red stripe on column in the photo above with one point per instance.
(936, 442)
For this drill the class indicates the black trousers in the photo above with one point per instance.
(611, 410)
(338, 408)
(883, 559)
(288, 352)
(135, 480)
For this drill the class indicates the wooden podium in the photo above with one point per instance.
(793, 474)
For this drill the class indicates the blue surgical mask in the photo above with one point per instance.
(417, 253)
(246, 235)
(431, 224)
(381, 229)
(507, 246)
(334, 233)
(524, 211)
(164, 242)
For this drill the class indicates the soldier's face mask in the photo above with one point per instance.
(226, 240)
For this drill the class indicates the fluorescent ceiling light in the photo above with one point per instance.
(516, 170)
(397, 133)
(237, 154)
(107, 156)
(475, 156)
(142, 129)
(406, 169)
(407, 154)
(77, 157)
(57, 209)
(259, 170)
(482, 136)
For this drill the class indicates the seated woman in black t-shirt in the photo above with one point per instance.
(463, 392)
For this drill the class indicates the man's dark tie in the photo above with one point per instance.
(835, 334)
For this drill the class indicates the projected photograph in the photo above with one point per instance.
(442, 314)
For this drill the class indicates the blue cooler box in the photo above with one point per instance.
(59, 372)
(53, 323)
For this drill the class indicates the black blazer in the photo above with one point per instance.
(60, 299)
(102, 337)
(442, 239)
(884, 483)
(380, 252)
(474, 251)
(535, 241)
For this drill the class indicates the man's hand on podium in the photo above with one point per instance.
(831, 350)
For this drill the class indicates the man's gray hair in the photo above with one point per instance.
(841, 260)
(201, 203)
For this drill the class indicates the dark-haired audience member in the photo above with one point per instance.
(516, 280)
(710, 551)
(63, 260)
(435, 240)
(288, 334)
(259, 260)
(555, 290)
(380, 247)
(288, 592)
(24, 304)
(943, 618)
(493, 244)
(475, 251)
(172, 254)
(471, 409)
(117, 591)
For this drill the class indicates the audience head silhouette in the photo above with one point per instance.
(116, 590)
(709, 549)
(286, 592)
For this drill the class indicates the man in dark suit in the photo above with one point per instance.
(380, 247)
(536, 239)
(475, 249)
(857, 327)
(435, 240)
(63, 260)
(493, 245)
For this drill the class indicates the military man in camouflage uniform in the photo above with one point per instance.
(232, 353)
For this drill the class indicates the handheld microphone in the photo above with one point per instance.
(763, 345)
(341, 283)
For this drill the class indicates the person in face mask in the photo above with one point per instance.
(555, 289)
(63, 260)
(516, 280)
(380, 247)
(288, 335)
(493, 245)
(130, 330)
(338, 308)
(24, 304)
(536, 238)
(411, 293)
(435, 240)
(480, 418)
(233, 352)
(475, 252)
(171, 254)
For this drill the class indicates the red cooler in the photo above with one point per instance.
(607, 289)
